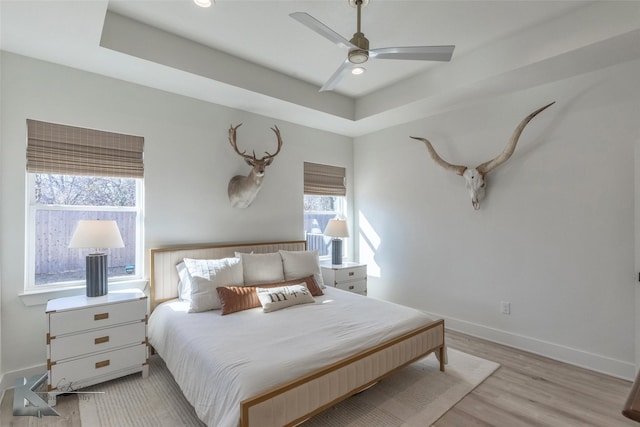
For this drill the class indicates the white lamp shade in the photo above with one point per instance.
(337, 228)
(96, 234)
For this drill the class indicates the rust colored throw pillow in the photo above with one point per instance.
(238, 298)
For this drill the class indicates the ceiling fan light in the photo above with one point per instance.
(356, 71)
(203, 3)
(358, 56)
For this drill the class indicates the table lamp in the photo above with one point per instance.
(97, 234)
(336, 228)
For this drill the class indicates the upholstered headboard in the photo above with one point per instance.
(164, 276)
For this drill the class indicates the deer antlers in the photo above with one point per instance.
(232, 141)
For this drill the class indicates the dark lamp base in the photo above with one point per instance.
(336, 251)
(97, 282)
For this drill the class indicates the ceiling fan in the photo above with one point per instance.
(358, 46)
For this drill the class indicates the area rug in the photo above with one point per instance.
(417, 395)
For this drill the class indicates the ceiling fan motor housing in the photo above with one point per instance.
(358, 46)
(359, 56)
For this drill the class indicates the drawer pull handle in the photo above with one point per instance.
(351, 273)
(101, 316)
(351, 287)
(102, 364)
(101, 340)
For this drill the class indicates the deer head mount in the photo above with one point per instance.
(475, 178)
(243, 190)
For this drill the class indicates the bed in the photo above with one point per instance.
(251, 368)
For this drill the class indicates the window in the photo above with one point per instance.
(324, 199)
(318, 210)
(75, 174)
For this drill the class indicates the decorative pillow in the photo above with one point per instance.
(206, 276)
(184, 284)
(261, 268)
(273, 299)
(299, 264)
(238, 298)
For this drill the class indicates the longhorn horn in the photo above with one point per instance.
(436, 158)
(487, 167)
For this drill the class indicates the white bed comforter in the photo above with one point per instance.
(219, 361)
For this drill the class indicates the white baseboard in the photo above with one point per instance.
(9, 378)
(595, 362)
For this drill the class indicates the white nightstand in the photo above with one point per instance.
(349, 276)
(91, 340)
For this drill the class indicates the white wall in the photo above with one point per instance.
(555, 236)
(188, 163)
(1, 239)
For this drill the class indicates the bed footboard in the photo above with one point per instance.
(298, 400)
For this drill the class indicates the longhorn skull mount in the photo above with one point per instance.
(475, 177)
(242, 190)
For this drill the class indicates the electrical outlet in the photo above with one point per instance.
(505, 307)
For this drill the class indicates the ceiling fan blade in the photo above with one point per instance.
(417, 53)
(337, 76)
(317, 26)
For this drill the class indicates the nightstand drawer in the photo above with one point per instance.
(97, 340)
(353, 273)
(64, 322)
(65, 374)
(358, 286)
(349, 276)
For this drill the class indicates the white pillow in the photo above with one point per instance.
(299, 264)
(184, 284)
(206, 276)
(273, 299)
(261, 268)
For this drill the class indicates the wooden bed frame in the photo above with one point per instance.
(294, 402)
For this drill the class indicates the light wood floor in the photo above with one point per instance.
(530, 390)
(527, 390)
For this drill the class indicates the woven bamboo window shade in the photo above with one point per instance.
(324, 180)
(69, 150)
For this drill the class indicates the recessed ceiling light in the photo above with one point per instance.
(357, 70)
(203, 3)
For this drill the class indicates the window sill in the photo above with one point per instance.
(32, 298)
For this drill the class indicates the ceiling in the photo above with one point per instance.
(251, 55)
